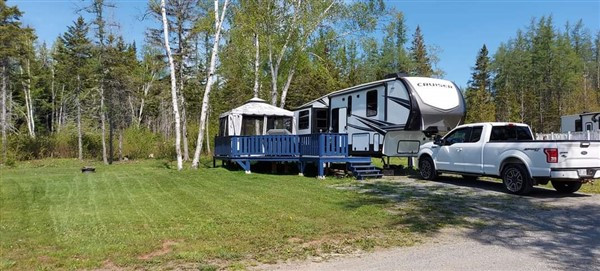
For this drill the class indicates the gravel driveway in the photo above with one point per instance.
(542, 231)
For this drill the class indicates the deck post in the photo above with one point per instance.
(321, 170)
(245, 164)
(301, 167)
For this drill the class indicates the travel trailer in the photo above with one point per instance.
(580, 122)
(389, 117)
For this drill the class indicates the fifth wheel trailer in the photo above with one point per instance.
(389, 117)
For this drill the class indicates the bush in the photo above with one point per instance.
(27, 148)
(139, 143)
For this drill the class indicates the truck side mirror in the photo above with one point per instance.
(437, 140)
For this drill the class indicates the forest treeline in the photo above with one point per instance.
(90, 94)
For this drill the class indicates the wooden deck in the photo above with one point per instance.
(301, 149)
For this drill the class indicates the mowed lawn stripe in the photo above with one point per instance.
(69, 220)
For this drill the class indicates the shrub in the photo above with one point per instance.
(139, 143)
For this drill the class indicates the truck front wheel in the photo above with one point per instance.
(566, 187)
(516, 179)
(426, 168)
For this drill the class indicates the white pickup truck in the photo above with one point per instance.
(508, 151)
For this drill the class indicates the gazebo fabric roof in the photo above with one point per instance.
(258, 107)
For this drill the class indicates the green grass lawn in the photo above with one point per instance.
(145, 214)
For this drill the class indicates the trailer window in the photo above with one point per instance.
(320, 124)
(372, 103)
(510, 133)
(349, 107)
(303, 120)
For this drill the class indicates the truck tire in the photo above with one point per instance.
(566, 187)
(427, 168)
(516, 179)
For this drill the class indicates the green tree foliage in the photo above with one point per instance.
(544, 73)
(480, 106)
(418, 51)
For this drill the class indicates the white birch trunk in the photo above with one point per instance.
(3, 116)
(28, 102)
(53, 93)
(79, 132)
(209, 83)
(256, 64)
(208, 135)
(103, 125)
(173, 86)
(147, 87)
(284, 91)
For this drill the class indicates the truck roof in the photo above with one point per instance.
(494, 124)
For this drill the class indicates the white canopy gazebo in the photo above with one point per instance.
(251, 117)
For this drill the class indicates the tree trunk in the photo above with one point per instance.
(208, 135)
(184, 133)
(103, 126)
(287, 86)
(3, 116)
(121, 144)
(173, 86)
(59, 116)
(53, 107)
(28, 102)
(147, 87)
(274, 75)
(79, 132)
(209, 83)
(256, 65)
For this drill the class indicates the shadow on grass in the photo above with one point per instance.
(566, 235)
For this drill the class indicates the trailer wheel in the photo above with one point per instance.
(566, 187)
(516, 179)
(427, 168)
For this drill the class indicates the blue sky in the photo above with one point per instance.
(458, 27)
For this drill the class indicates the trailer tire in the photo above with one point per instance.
(427, 168)
(516, 180)
(566, 187)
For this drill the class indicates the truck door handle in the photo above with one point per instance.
(459, 149)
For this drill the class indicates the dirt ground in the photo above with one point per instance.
(541, 231)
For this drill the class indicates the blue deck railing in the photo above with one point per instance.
(321, 145)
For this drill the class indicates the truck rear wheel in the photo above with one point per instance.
(516, 179)
(566, 187)
(427, 169)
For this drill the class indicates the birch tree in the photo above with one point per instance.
(174, 97)
(219, 18)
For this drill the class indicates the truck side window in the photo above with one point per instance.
(458, 136)
(510, 133)
(476, 134)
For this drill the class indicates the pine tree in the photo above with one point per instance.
(480, 106)
(418, 52)
(13, 38)
(74, 57)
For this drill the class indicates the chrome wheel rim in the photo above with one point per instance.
(425, 169)
(513, 180)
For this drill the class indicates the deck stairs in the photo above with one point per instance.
(364, 170)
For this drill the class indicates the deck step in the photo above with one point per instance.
(364, 170)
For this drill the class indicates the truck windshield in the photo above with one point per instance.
(510, 133)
